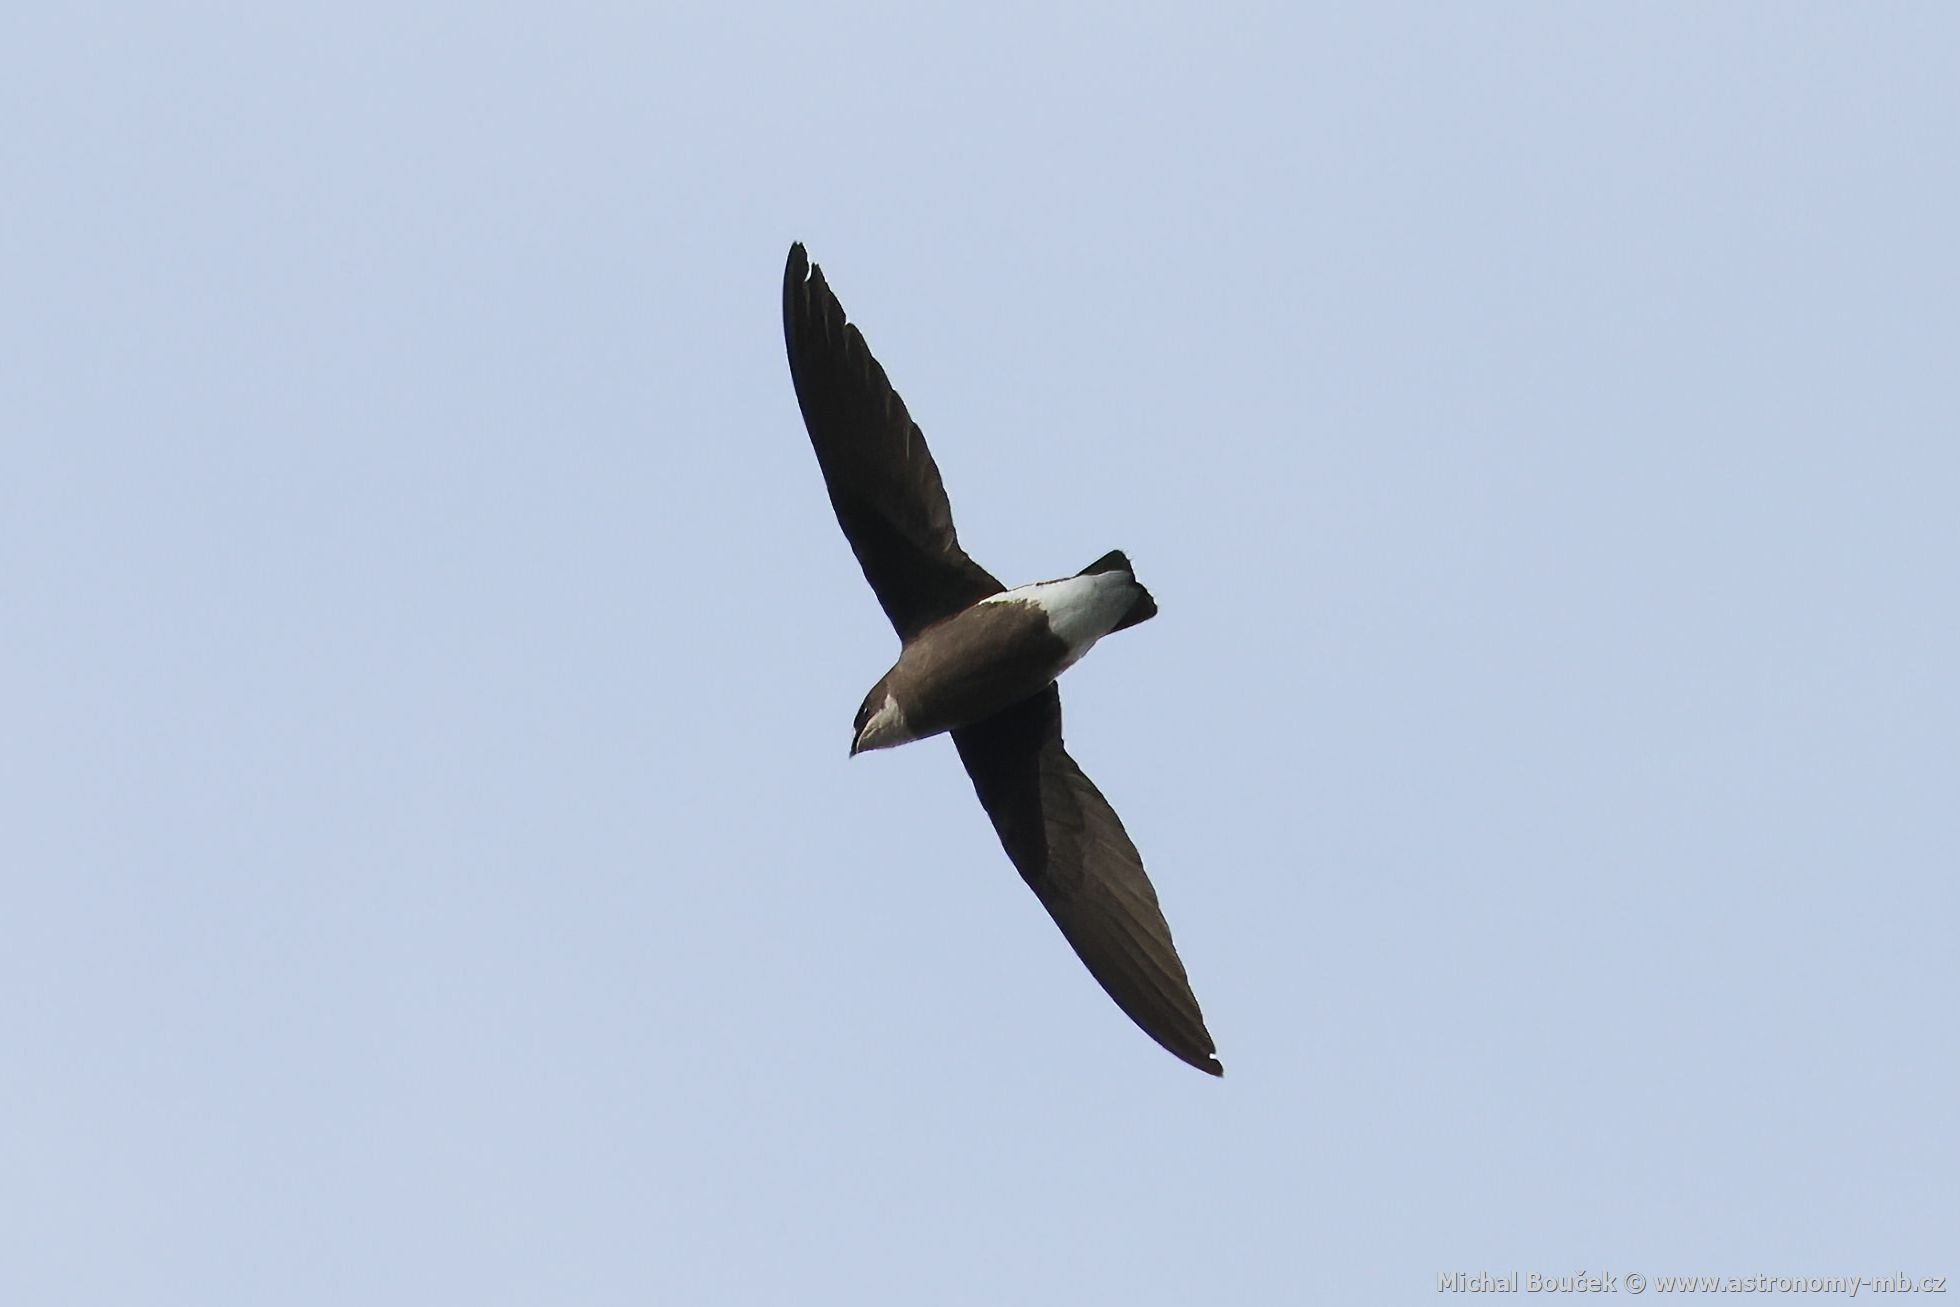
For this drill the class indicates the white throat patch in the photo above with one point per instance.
(885, 728)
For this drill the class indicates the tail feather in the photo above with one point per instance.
(1113, 561)
(1144, 607)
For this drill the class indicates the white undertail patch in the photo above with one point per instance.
(1080, 609)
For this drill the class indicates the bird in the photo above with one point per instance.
(979, 661)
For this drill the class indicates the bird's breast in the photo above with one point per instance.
(976, 663)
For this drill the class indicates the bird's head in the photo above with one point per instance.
(880, 724)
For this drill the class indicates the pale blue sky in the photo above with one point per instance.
(432, 871)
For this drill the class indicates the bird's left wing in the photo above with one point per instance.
(882, 480)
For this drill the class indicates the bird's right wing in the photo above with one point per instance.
(882, 480)
(1070, 847)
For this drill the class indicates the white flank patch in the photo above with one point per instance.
(1080, 609)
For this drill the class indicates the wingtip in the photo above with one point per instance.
(1205, 1061)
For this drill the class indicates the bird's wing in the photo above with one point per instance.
(882, 480)
(1071, 848)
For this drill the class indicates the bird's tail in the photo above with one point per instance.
(1143, 607)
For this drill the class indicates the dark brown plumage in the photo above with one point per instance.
(882, 480)
(1071, 848)
(986, 673)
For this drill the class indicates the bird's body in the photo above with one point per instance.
(996, 653)
(980, 660)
